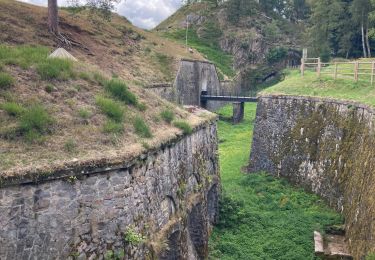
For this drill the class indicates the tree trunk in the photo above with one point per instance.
(363, 41)
(53, 18)
(368, 42)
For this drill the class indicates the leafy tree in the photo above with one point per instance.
(360, 10)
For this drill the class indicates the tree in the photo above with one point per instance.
(360, 10)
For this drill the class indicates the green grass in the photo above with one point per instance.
(112, 127)
(167, 115)
(120, 91)
(110, 108)
(6, 80)
(261, 217)
(35, 122)
(325, 86)
(141, 128)
(84, 113)
(52, 68)
(23, 56)
(184, 126)
(12, 108)
(222, 60)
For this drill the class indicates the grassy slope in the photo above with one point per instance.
(325, 86)
(265, 218)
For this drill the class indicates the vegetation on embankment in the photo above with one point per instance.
(324, 86)
(53, 111)
(261, 217)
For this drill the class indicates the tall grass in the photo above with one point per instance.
(119, 90)
(110, 108)
(141, 128)
(55, 69)
(184, 126)
(23, 56)
(6, 80)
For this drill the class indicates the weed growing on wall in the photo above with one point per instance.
(184, 126)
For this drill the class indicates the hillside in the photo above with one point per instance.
(236, 39)
(55, 113)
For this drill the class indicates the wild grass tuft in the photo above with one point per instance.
(141, 128)
(23, 56)
(184, 126)
(61, 69)
(113, 127)
(167, 115)
(70, 146)
(13, 108)
(6, 80)
(120, 91)
(110, 108)
(35, 122)
(84, 113)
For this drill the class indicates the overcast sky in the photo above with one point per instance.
(142, 13)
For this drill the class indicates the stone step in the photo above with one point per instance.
(331, 246)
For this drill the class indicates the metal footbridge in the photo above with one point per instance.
(241, 99)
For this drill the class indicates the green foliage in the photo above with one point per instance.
(99, 78)
(113, 127)
(167, 115)
(133, 238)
(184, 126)
(35, 121)
(23, 56)
(49, 88)
(120, 91)
(211, 33)
(261, 216)
(222, 60)
(370, 256)
(276, 54)
(53, 68)
(118, 255)
(84, 113)
(239, 8)
(13, 108)
(6, 80)
(165, 64)
(110, 108)
(141, 128)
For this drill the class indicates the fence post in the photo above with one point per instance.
(356, 71)
(372, 72)
(302, 67)
(335, 71)
(319, 67)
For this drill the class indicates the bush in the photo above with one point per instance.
(184, 126)
(6, 80)
(113, 127)
(167, 115)
(110, 108)
(53, 68)
(141, 128)
(120, 91)
(276, 54)
(34, 122)
(12, 108)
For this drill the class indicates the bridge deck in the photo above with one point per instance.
(229, 98)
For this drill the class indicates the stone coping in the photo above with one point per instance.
(320, 99)
(160, 85)
(102, 165)
(202, 61)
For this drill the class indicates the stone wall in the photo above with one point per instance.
(164, 90)
(327, 147)
(160, 204)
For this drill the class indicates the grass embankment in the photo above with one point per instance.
(325, 86)
(261, 217)
(212, 52)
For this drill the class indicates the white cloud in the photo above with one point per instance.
(143, 13)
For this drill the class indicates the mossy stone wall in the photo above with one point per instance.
(328, 147)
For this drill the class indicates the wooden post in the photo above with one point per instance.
(356, 71)
(335, 76)
(319, 67)
(372, 72)
(302, 67)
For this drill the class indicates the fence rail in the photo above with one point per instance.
(356, 69)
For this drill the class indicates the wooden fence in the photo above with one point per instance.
(357, 69)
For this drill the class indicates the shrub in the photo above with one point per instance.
(167, 115)
(49, 88)
(141, 128)
(53, 68)
(6, 80)
(12, 108)
(133, 238)
(110, 108)
(184, 126)
(113, 127)
(120, 91)
(84, 113)
(34, 122)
